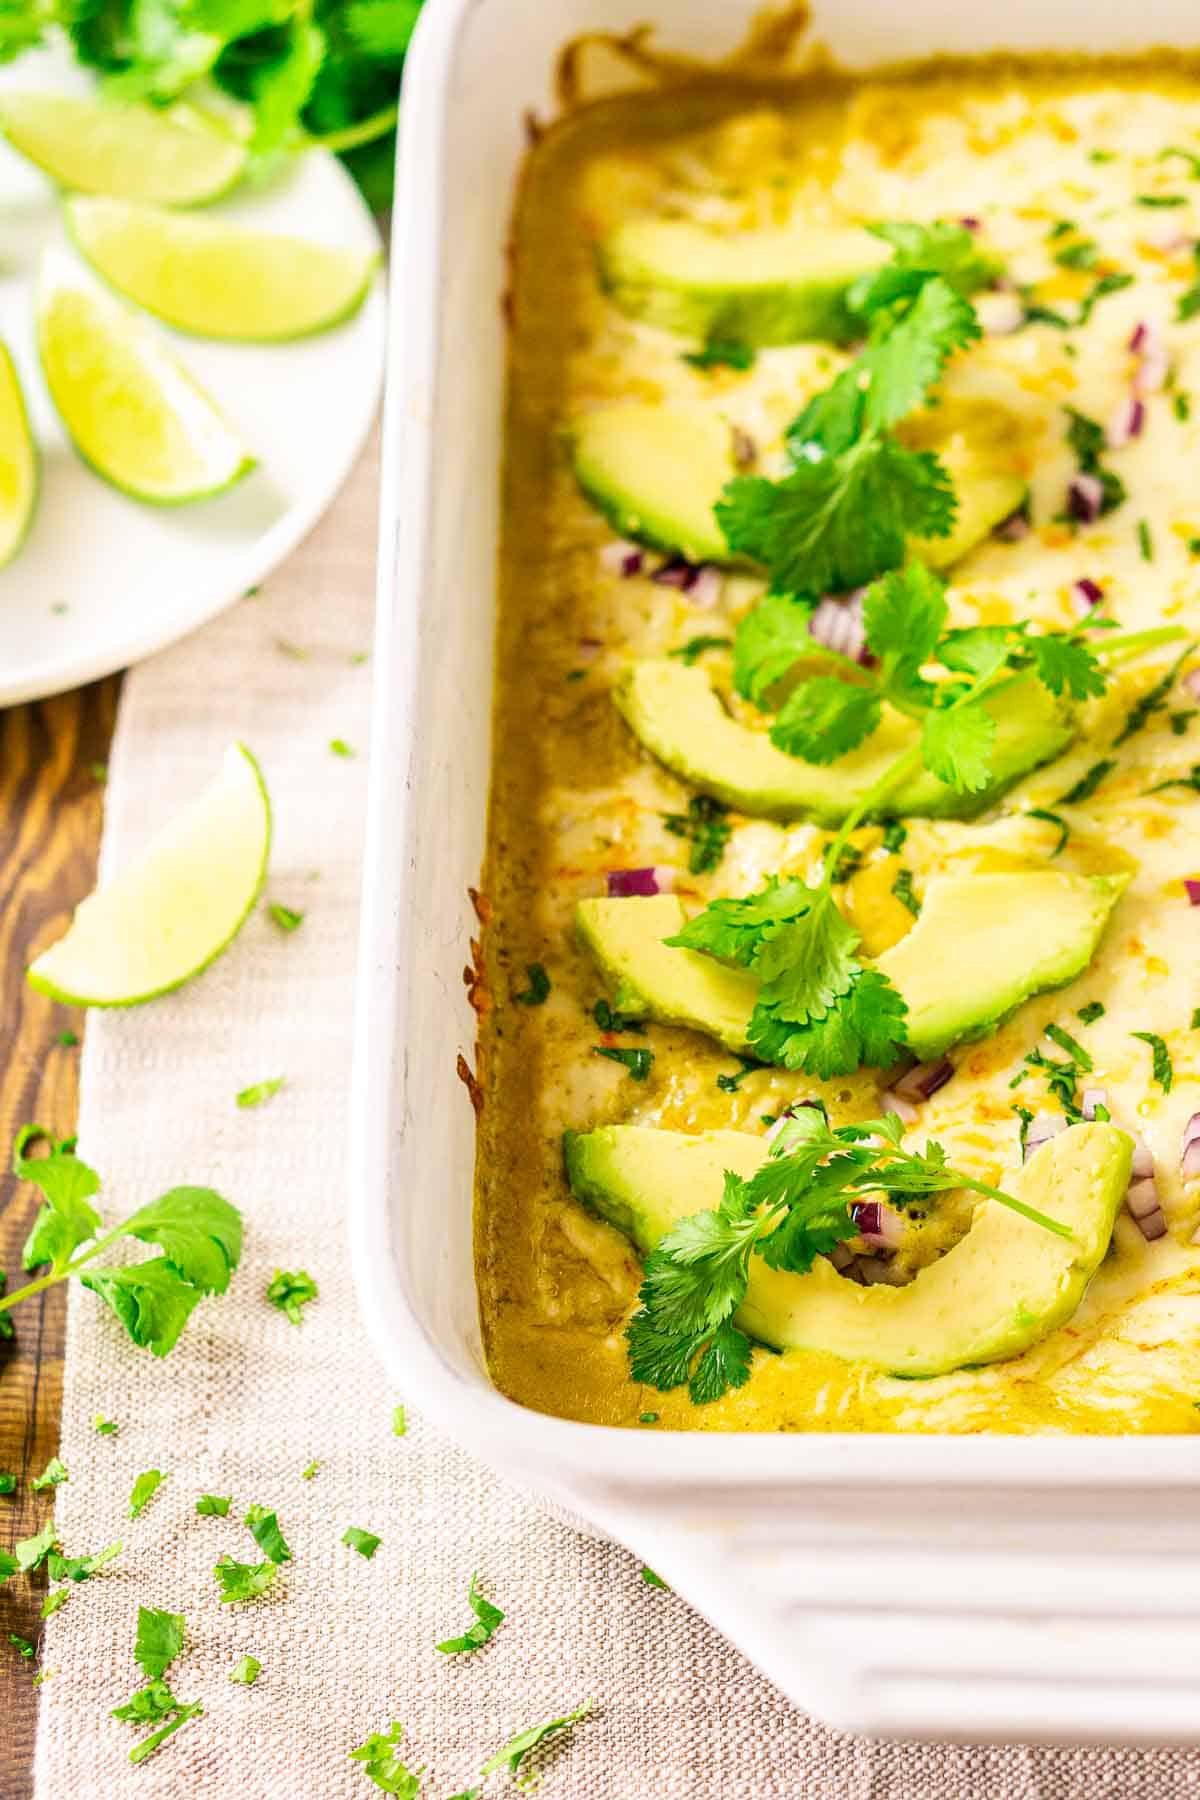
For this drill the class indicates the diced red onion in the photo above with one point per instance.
(588, 649)
(624, 884)
(903, 1109)
(1191, 682)
(1041, 1130)
(676, 572)
(1126, 423)
(622, 558)
(923, 1081)
(1191, 1131)
(838, 625)
(1014, 528)
(1193, 891)
(705, 591)
(879, 1225)
(1143, 1163)
(1091, 1099)
(1085, 594)
(1145, 1208)
(1085, 497)
(970, 223)
(1154, 364)
(745, 450)
(1139, 337)
(1189, 1157)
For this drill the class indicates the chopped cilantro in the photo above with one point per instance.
(539, 986)
(53, 1475)
(31, 1552)
(849, 862)
(695, 647)
(57, 1598)
(22, 1644)
(68, 1039)
(721, 353)
(902, 888)
(653, 1580)
(243, 1581)
(1053, 818)
(1179, 721)
(8, 1482)
(1102, 156)
(214, 1506)
(1162, 1069)
(247, 1671)
(1086, 786)
(1082, 254)
(1161, 199)
(1181, 405)
(1026, 1117)
(705, 828)
(106, 1427)
(307, 1474)
(608, 1020)
(1145, 540)
(895, 835)
(80, 1568)
(1091, 1012)
(729, 1084)
(286, 917)
(383, 1765)
(1153, 700)
(159, 1640)
(148, 1705)
(1062, 1079)
(636, 1063)
(487, 1617)
(365, 1542)
(263, 1527)
(1074, 1049)
(144, 1490)
(1107, 284)
(1189, 300)
(513, 1754)
(147, 1747)
(1188, 156)
(399, 1421)
(1196, 1018)
(290, 1290)
(340, 747)
(1087, 439)
(261, 1091)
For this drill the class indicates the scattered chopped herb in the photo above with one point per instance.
(695, 647)
(1053, 818)
(383, 1765)
(487, 1617)
(31, 1552)
(1161, 199)
(1026, 1117)
(261, 1091)
(23, 1645)
(608, 1020)
(729, 1084)
(148, 1705)
(1107, 284)
(80, 1568)
(705, 827)
(653, 1580)
(286, 917)
(1196, 1018)
(576, 675)
(8, 1483)
(290, 1290)
(243, 1581)
(68, 1039)
(106, 1427)
(54, 1600)
(193, 1710)
(1062, 1079)
(1102, 156)
(1145, 540)
(902, 888)
(1191, 780)
(340, 747)
(308, 1473)
(365, 1542)
(1188, 156)
(399, 1421)
(1087, 439)
(1153, 700)
(1091, 1012)
(1181, 405)
(539, 986)
(98, 772)
(1074, 1049)
(159, 1640)
(848, 863)
(895, 834)
(721, 353)
(144, 1490)
(1162, 1070)
(53, 1475)
(636, 1063)
(263, 1527)
(1087, 785)
(1189, 300)
(513, 1754)
(247, 1671)
(1082, 254)
(214, 1506)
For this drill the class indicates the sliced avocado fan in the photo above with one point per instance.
(657, 472)
(1002, 1288)
(779, 286)
(982, 945)
(676, 714)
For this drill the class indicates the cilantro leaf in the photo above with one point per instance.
(513, 1754)
(264, 1528)
(721, 353)
(80, 1568)
(705, 827)
(66, 1221)
(151, 1299)
(147, 1747)
(538, 991)
(866, 1026)
(900, 370)
(31, 1552)
(247, 1671)
(260, 1091)
(159, 1640)
(824, 718)
(243, 1581)
(215, 1506)
(383, 1765)
(1061, 661)
(51, 1476)
(365, 1542)
(291, 1290)
(286, 917)
(904, 614)
(200, 1232)
(734, 930)
(148, 1705)
(957, 742)
(769, 641)
(636, 1063)
(487, 1618)
(809, 964)
(144, 1490)
(1164, 1073)
(941, 248)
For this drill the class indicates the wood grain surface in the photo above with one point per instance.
(51, 803)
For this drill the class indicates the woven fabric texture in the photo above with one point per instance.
(247, 1400)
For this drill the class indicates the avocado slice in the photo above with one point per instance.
(1003, 1287)
(778, 286)
(675, 712)
(657, 472)
(982, 945)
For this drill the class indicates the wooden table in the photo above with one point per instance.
(51, 803)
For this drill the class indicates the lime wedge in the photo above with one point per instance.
(174, 910)
(134, 414)
(219, 280)
(18, 463)
(139, 152)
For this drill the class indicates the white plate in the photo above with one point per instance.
(102, 580)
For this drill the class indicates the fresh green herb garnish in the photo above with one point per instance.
(1162, 1069)
(653, 1580)
(1086, 786)
(399, 1421)
(695, 647)
(1082, 254)
(159, 1641)
(193, 1710)
(68, 1039)
(902, 888)
(144, 1490)
(539, 986)
(895, 836)
(608, 1020)
(1107, 284)
(1191, 780)
(260, 1092)
(1154, 699)
(1189, 300)
(1053, 818)
(340, 747)
(848, 864)
(80, 1568)
(243, 1581)
(51, 1476)
(729, 1084)
(705, 828)
(199, 1233)
(1086, 438)
(487, 1617)
(1196, 1018)
(31, 1552)
(721, 353)
(648, 1418)
(247, 1671)
(1181, 406)
(1161, 199)
(106, 1427)
(383, 1765)
(214, 1506)
(365, 1542)
(263, 1527)
(291, 1290)
(1074, 1049)
(22, 1645)
(513, 1754)
(1026, 1117)
(286, 917)
(307, 1474)
(148, 1705)
(1145, 540)
(1179, 721)
(1188, 156)
(792, 1210)
(8, 1482)
(1062, 1078)
(636, 1063)
(1088, 1014)
(53, 1601)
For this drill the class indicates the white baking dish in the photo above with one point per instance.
(1045, 1588)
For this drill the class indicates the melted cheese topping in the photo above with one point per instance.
(574, 797)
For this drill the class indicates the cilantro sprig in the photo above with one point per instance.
(795, 1208)
(199, 1233)
(487, 1618)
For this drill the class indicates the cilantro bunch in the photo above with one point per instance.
(855, 494)
(795, 1208)
(323, 71)
(199, 1233)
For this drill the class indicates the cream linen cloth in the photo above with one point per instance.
(247, 1400)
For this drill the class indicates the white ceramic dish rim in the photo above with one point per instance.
(643, 1486)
